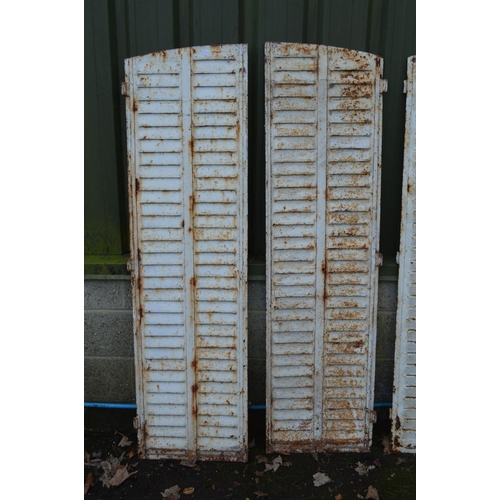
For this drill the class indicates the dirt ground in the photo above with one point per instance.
(378, 474)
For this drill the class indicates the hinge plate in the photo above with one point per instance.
(379, 259)
(384, 85)
(125, 89)
(372, 415)
(130, 265)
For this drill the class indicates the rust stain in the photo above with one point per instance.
(137, 185)
(135, 106)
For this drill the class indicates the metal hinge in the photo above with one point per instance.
(125, 89)
(379, 259)
(130, 265)
(405, 86)
(384, 85)
(135, 422)
(372, 415)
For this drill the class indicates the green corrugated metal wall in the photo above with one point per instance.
(115, 30)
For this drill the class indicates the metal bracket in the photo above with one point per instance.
(372, 415)
(405, 86)
(379, 259)
(125, 89)
(130, 265)
(135, 422)
(384, 85)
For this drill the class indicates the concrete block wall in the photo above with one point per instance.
(109, 351)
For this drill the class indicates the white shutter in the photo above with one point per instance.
(404, 400)
(187, 147)
(323, 120)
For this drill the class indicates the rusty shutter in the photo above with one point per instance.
(323, 120)
(404, 401)
(186, 124)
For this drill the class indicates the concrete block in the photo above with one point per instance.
(387, 295)
(256, 381)
(384, 376)
(108, 334)
(105, 294)
(109, 380)
(257, 296)
(386, 335)
(257, 334)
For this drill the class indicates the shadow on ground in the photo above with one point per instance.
(393, 475)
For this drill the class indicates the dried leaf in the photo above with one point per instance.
(377, 463)
(261, 459)
(386, 443)
(131, 453)
(338, 497)
(87, 456)
(186, 463)
(320, 479)
(125, 441)
(172, 493)
(274, 465)
(260, 494)
(121, 475)
(188, 491)
(110, 468)
(363, 469)
(89, 482)
(315, 456)
(372, 493)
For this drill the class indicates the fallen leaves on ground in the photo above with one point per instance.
(115, 473)
(121, 475)
(261, 459)
(260, 494)
(363, 469)
(338, 497)
(172, 493)
(377, 463)
(188, 491)
(386, 443)
(274, 465)
(372, 493)
(186, 463)
(320, 478)
(89, 482)
(125, 441)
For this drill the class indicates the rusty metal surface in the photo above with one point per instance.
(404, 401)
(323, 135)
(187, 154)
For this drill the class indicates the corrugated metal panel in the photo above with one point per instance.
(323, 121)
(404, 401)
(187, 119)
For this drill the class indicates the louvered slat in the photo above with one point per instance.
(187, 154)
(323, 119)
(404, 401)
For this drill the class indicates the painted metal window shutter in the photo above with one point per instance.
(404, 401)
(187, 148)
(323, 132)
